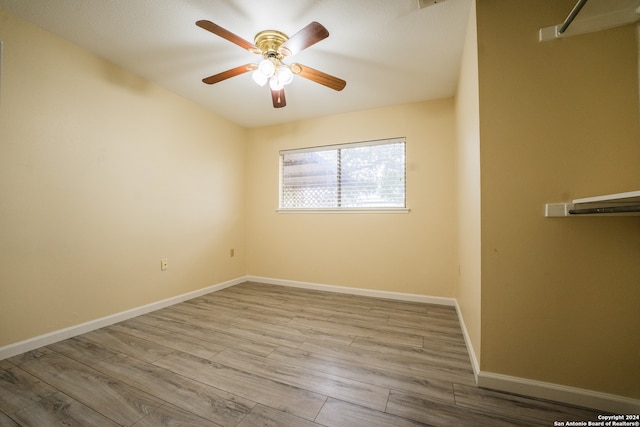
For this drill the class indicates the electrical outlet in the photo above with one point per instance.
(232, 253)
(164, 264)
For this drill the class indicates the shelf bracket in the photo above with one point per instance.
(589, 24)
(619, 204)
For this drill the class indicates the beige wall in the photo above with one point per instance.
(558, 120)
(102, 174)
(411, 253)
(468, 189)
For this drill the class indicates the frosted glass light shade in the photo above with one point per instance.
(285, 76)
(267, 68)
(275, 83)
(259, 78)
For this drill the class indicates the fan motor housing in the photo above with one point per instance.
(269, 42)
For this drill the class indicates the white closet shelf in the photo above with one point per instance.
(619, 204)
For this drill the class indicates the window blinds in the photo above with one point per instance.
(359, 175)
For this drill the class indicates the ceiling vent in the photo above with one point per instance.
(426, 3)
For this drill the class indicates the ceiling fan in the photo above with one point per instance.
(274, 46)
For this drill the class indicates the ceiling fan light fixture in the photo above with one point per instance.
(274, 47)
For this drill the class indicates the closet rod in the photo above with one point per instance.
(572, 16)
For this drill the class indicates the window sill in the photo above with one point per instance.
(345, 210)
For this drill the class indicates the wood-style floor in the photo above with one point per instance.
(265, 355)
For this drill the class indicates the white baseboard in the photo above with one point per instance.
(571, 395)
(475, 365)
(355, 291)
(72, 331)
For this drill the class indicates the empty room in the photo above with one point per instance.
(319, 213)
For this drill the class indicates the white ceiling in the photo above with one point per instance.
(388, 51)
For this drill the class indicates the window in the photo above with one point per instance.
(361, 175)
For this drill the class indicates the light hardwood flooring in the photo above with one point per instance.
(264, 355)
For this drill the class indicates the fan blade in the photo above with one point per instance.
(308, 36)
(229, 73)
(277, 96)
(227, 35)
(319, 77)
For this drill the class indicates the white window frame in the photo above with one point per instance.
(387, 141)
